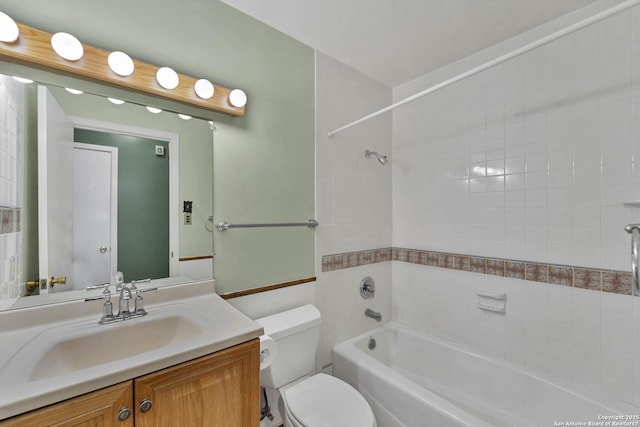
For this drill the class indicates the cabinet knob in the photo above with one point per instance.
(124, 413)
(145, 405)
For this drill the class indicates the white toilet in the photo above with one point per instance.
(309, 401)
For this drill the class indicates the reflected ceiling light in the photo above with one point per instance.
(9, 31)
(184, 116)
(22, 79)
(204, 88)
(154, 110)
(238, 98)
(116, 101)
(74, 91)
(67, 46)
(120, 63)
(167, 78)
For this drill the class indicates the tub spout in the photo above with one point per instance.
(373, 314)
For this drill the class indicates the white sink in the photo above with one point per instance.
(111, 343)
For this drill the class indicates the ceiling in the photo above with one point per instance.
(394, 41)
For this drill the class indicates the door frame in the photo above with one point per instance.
(173, 139)
(113, 225)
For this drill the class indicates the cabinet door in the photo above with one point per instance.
(97, 409)
(220, 390)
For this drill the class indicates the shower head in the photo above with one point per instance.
(382, 159)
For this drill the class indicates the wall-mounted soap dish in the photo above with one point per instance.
(491, 301)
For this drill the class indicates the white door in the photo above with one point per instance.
(95, 201)
(55, 203)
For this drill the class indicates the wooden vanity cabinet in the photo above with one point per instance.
(218, 390)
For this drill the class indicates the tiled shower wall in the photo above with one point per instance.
(529, 161)
(11, 133)
(353, 200)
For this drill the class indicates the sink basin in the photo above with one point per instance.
(83, 345)
(105, 344)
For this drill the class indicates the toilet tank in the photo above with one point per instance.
(296, 333)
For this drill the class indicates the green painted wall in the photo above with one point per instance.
(264, 162)
(143, 203)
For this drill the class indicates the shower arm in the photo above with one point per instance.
(382, 159)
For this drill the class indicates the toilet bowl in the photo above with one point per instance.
(318, 400)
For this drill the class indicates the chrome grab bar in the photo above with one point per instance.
(223, 226)
(634, 230)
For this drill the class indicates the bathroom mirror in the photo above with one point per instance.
(182, 147)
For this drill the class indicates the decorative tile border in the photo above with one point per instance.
(618, 282)
(355, 259)
(9, 220)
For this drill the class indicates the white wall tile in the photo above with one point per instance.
(354, 197)
(563, 122)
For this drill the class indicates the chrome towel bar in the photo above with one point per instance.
(223, 226)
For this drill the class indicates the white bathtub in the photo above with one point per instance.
(413, 379)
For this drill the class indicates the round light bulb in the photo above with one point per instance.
(204, 88)
(67, 46)
(116, 101)
(9, 30)
(120, 63)
(154, 110)
(184, 116)
(167, 78)
(238, 98)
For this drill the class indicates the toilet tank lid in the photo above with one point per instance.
(289, 322)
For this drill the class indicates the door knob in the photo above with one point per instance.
(103, 249)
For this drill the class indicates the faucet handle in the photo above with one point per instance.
(367, 288)
(139, 303)
(107, 307)
(104, 285)
(106, 293)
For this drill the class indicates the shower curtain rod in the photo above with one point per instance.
(510, 55)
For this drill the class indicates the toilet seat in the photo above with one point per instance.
(323, 400)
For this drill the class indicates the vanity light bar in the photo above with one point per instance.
(33, 48)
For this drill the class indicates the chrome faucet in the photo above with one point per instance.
(125, 294)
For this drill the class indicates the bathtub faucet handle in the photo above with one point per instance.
(367, 288)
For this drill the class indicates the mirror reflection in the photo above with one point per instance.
(87, 183)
